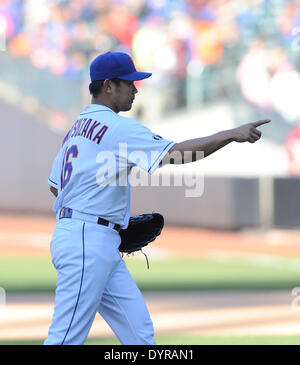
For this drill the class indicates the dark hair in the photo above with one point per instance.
(95, 86)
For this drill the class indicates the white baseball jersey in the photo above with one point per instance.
(91, 169)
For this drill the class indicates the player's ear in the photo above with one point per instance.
(107, 86)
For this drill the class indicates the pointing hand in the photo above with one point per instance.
(249, 132)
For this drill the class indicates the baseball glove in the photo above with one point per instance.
(142, 229)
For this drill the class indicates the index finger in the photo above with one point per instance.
(261, 122)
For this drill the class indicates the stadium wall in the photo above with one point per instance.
(28, 148)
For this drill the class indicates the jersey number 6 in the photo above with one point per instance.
(67, 167)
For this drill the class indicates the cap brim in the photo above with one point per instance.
(135, 76)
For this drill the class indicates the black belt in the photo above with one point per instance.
(70, 213)
(104, 222)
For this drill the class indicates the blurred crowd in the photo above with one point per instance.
(166, 37)
(62, 35)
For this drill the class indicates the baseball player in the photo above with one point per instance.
(90, 181)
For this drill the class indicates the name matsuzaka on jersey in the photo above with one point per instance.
(85, 127)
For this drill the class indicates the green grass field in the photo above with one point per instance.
(38, 275)
(190, 340)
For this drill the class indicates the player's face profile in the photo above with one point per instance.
(124, 95)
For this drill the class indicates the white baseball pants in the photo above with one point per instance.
(92, 277)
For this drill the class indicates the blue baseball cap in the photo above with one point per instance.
(115, 65)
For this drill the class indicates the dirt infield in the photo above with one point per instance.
(31, 235)
(28, 316)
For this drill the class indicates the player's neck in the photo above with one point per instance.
(102, 101)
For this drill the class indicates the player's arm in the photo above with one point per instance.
(53, 190)
(208, 145)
